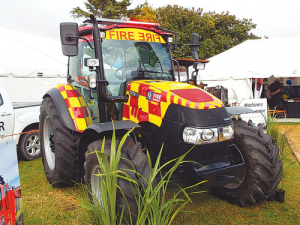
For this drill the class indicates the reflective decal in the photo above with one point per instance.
(155, 98)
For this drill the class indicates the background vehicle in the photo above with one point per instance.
(16, 118)
(10, 205)
(124, 72)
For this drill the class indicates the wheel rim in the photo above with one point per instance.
(95, 185)
(50, 155)
(33, 145)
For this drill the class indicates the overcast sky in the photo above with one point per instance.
(274, 18)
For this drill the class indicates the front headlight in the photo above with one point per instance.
(197, 135)
(208, 135)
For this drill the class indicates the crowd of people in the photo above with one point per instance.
(275, 92)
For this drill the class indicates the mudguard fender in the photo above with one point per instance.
(98, 131)
(61, 107)
(70, 106)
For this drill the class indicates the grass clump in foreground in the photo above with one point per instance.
(153, 207)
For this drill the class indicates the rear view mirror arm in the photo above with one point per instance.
(178, 69)
(195, 45)
(69, 38)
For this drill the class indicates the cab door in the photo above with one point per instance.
(6, 116)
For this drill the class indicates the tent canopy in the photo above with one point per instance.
(259, 58)
(24, 55)
(30, 65)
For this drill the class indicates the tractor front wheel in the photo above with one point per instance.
(262, 173)
(132, 158)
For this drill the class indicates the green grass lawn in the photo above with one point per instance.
(43, 204)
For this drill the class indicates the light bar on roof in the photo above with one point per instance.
(108, 22)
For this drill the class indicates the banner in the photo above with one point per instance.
(10, 191)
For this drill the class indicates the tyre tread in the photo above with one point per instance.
(262, 166)
(132, 158)
(65, 172)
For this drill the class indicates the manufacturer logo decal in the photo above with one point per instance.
(149, 95)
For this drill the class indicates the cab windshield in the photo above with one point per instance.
(124, 58)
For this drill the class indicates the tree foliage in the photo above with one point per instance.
(103, 8)
(144, 13)
(218, 31)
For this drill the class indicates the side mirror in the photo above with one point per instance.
(69, 38)
(194, 45)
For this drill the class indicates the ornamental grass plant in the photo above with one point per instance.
(153, 206)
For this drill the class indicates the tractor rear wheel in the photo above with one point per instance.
(262, 173)
(132, 158)
(58, 145)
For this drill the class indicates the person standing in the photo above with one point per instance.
(275, 91)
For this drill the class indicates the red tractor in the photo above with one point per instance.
(10, 204)
(124, 71)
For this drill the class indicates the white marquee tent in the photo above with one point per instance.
(260, 58)
(30, 65)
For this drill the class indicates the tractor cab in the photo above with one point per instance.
(129, 51)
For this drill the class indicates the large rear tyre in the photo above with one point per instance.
(262, 173)
(132, 158)
(29, 146)
(58, 145)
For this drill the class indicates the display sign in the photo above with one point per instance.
(260, 110)
(10, 191)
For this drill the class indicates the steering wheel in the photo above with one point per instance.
(122, 67)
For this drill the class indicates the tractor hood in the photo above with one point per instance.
(150, 99)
